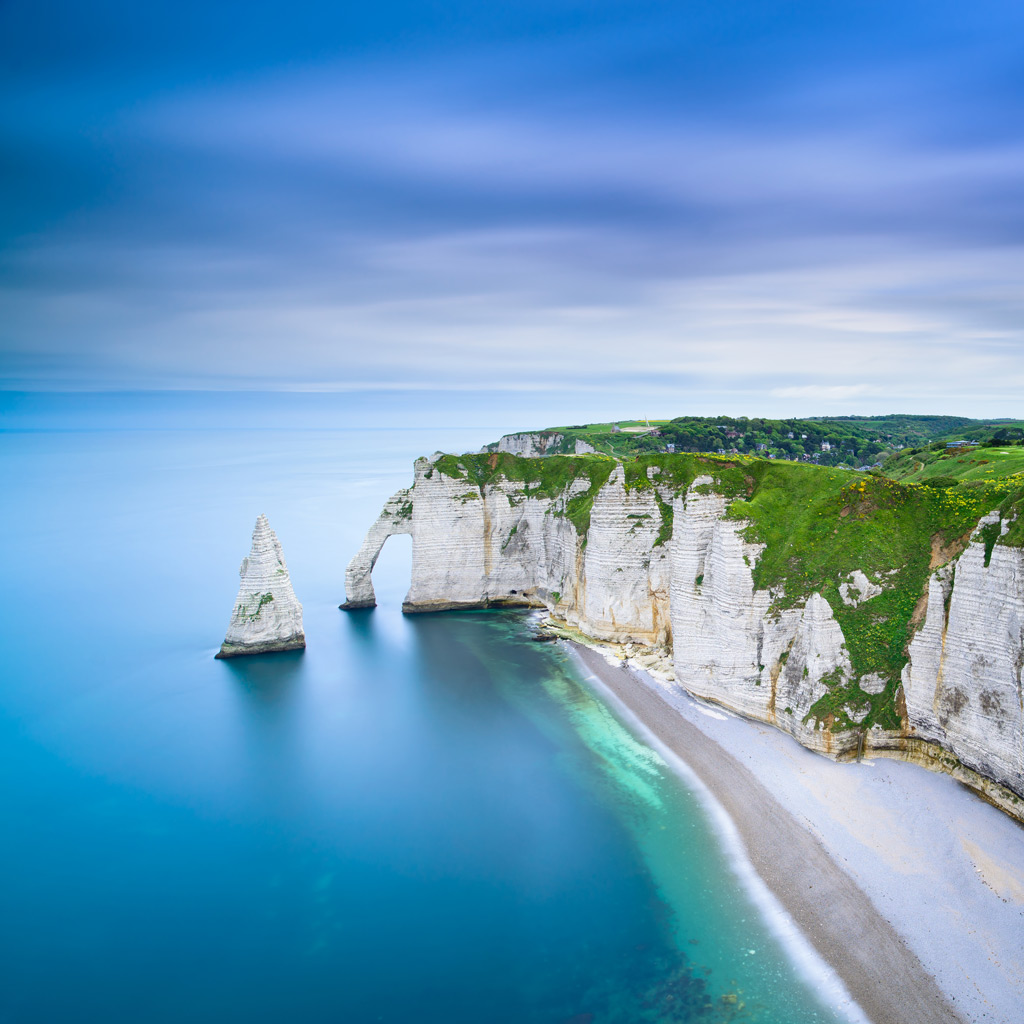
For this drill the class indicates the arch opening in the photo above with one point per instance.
(395, 518)
(392, 569)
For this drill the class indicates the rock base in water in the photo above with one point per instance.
(292, 643)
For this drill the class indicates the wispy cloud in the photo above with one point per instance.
(582, 207)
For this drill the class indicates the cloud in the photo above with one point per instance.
(828, 393)
(578, 209)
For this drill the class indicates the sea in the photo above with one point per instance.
(426, 819)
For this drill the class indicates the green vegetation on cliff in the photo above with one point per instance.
(816, 527)
(819, 526)
(550, 477)
(938, 464)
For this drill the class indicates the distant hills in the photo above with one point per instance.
(855, 441)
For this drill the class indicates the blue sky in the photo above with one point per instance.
(690, 207)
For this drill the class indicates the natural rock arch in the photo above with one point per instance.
(395, 518)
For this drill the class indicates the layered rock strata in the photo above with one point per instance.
(530, 445)
(266, 617)
(729, 647)
(665, 569)
(962, 682)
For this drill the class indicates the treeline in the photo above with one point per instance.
(826, 440)
(852, 440)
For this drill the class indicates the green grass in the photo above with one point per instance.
(819, 525)
(976, 464)
(667, 518)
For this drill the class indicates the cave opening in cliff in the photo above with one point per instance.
(393, 570)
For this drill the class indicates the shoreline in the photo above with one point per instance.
(866, 886)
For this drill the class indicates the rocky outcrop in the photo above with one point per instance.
(536, 444)
(530, 445)
(858, 588)
(659, 565)
(267, 616)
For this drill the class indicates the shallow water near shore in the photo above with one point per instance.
(425, 818)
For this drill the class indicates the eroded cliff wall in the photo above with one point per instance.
(813, 630)
(531, 445)
(730, 646)
(962, 682)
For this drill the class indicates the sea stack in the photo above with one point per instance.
(267, 616)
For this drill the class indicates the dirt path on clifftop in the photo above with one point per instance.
(884, 977)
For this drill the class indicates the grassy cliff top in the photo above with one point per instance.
(991, 462)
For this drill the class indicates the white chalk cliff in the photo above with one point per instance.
(266, 616)
(962, 683)
(672, 575)
(532, 444)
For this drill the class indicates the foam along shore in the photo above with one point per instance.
(905, 883)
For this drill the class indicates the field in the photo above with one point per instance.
(976, 464)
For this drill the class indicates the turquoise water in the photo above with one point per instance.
(422, 818)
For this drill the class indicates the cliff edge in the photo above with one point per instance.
(854, 612)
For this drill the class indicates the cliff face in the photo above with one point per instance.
(963, 680)
(267, 616)
(501, 545)
(535, 444)
(729, 647)
(531, 445)
(665, 557)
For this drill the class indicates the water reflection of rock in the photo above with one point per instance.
(360, 623)
(269, 720)
(268, 679)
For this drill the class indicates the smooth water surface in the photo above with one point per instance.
(418, 819)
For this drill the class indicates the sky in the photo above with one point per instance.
(590, 208)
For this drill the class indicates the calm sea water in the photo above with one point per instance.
(418, 819)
